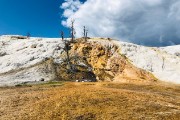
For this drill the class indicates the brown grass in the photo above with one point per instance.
(90, 101)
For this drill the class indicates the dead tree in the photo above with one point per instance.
(66, 49)
(72, 31)
(28, 35)
(62, 35)
(86, 34)
(163, 64)
(85, 31)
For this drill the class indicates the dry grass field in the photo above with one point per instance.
(90, 101)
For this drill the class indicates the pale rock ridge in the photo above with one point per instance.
(164, 62)
(31, 59)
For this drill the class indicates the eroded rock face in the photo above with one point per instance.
(95, 60)
(108, 64)
(43, 70)
(19, 62)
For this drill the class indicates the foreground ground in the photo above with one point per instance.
(86, 101)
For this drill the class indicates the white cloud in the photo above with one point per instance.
(70, 7)
(149, 22)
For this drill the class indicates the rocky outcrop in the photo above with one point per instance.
(13, 37)
(36, 59)
(43, 70)
(163, 62)
(107, 63)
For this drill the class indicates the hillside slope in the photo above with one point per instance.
(23, 60)
(90, 101)
(164, 62)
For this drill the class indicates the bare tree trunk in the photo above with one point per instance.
(62, 35)
(163, 59)
(85, 31)
(67, 54)
(28, 35)
(66, 48)
(72, 30)
(86, 35)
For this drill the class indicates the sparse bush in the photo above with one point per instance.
(18, 85)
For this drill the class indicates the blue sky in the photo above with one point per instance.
(41, 18)
(146, 22)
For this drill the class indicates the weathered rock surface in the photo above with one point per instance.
(98, 59)
(108, 64)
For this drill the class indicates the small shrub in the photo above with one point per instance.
(18, 85)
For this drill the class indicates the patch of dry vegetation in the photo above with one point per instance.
(90, 101)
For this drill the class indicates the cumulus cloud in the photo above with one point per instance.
(70, 6)
(147, 22)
